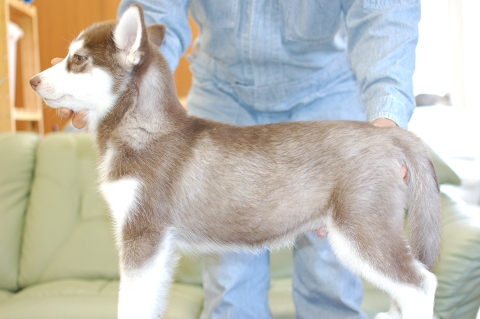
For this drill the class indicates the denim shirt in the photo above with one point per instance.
(268, 50)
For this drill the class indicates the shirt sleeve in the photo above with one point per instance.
(172, 13)
(382, 37)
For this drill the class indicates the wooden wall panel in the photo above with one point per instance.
(183, 76)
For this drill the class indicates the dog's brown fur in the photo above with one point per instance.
(215, 185)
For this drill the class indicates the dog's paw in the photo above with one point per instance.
(385, 315)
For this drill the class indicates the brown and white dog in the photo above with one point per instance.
(177, 182)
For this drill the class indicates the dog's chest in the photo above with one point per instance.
(121, 197)
(121, 194)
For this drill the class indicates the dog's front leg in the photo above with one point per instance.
(144, 284)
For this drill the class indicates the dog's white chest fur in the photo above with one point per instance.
(120, 194)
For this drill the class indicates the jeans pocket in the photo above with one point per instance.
(216, 13)
(311, 20)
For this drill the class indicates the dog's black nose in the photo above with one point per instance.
(35, 81)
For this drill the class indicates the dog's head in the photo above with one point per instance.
(100, 63)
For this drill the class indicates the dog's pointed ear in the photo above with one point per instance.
(130, 35)
(156, 33)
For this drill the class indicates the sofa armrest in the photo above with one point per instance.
(17, 160)
(458, 272)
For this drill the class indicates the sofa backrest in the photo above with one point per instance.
(67, 231)
(17, 160)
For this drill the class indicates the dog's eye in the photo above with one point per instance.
(79, 58)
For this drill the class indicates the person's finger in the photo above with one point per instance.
(56, 61)
(384, 122)
(79, 119)
(64, 113)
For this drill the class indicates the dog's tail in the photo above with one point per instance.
(424, 206)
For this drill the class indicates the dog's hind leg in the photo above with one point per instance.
(144, 284)
(409, 284)
(410, 301)
(368, 237)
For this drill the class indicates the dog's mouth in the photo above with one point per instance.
(54, 99)
(56, 102)
(65, 101)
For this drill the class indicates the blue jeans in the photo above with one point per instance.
(236, 284)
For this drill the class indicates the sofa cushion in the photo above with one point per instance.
(92, 299)
(63, 299)
(445, 174)
(280, 298)
(17, 162)
(4, 295)
(458, 272)
(67, 229)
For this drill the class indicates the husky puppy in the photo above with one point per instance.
(175, 182)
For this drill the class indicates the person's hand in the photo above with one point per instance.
(79, 119)
(383, 122)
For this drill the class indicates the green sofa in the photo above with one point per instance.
(58, 258)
